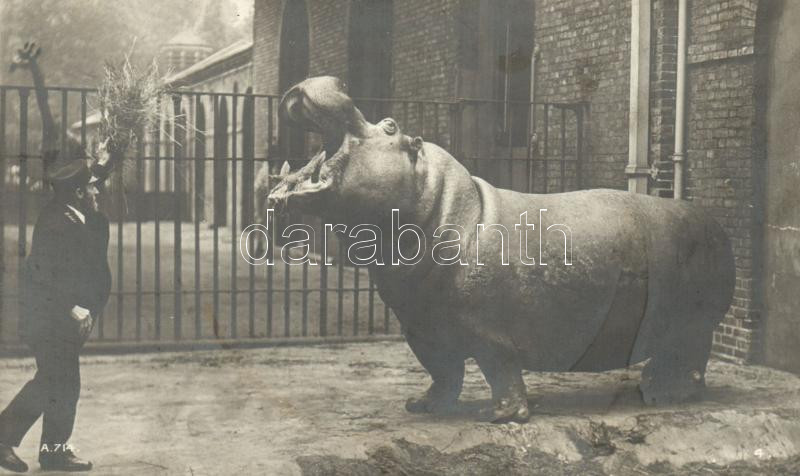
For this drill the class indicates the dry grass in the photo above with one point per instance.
(129, 102)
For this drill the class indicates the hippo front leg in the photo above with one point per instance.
(446, 368)
(504, 375)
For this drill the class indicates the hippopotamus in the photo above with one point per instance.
(604, 278)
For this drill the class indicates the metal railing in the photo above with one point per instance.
(193, 183)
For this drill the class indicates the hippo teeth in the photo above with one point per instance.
(320, 158)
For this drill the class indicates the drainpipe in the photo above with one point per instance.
(637, 169)
(680, 105)
(532, 139)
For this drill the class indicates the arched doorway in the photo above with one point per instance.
(781, 214)
(293, 68)
(370, 55)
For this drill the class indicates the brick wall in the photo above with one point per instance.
(266, 44)
(425, 49)
(424, 64)
(266, 20)
(424, 52)
(721, 149)
(585, 56)
(328, 25)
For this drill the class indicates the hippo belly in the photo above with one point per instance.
(602, 311)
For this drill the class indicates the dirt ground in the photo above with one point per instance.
(338, 409)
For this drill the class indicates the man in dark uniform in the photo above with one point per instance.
(66, 285)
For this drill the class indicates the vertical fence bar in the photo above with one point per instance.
(287, 276)
(546, 155)
(157, 226)
(340, 291)
(248, 183)
(270, 274)
(271, 225)
(305, 299)
(120, 198)
(530, 165)
(371, 304)
(579, 149)
(534, 157)
(455, 130)
(22, 230)
(83, 120)
(476, 140)
(283, 147)
(287, 296)
(3, 200)
(140, 150)
(356, 285)
(234, 180)
(199, 184)
(217, 155)
(64, 150)
(179, 139)
(323, 293)
(563, 148)
(435, 136)
(510, 148)
(531, 130)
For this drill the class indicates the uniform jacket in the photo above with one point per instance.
(67, 266)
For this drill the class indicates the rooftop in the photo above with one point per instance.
(241, 47)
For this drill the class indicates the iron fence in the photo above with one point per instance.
(191, 184)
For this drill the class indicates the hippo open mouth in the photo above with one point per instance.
(318, 175)
(322, 106)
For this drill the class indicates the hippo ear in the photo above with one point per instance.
(285, 169)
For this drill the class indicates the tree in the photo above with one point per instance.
(78, 36)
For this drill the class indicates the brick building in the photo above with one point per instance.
(739, 109)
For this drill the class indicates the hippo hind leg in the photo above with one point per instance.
(445, 367)
(676, 372)
(504, 375)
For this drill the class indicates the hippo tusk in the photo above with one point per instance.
(285, 169)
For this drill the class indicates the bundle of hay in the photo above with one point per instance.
(129, 103)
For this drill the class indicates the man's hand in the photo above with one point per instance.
(84, 318)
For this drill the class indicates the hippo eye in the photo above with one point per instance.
(389, 126)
